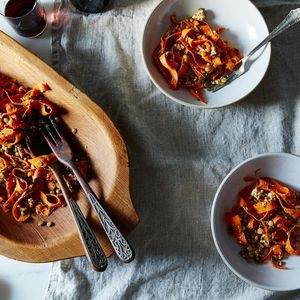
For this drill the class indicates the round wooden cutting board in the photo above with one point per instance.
(104, 148)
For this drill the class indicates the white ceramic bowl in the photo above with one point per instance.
(244, 28)
(281, 166)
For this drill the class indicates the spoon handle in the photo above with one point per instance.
(89, 241)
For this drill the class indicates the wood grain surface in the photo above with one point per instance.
(98, 138)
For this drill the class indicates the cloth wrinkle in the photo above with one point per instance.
(178, 155)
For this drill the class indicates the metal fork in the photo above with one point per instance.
(91, 246)
(291, 19)
(63, 152)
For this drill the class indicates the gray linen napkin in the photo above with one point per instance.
(178, 155)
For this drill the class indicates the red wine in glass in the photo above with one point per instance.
(27, 17)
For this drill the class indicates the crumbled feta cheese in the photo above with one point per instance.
(256, 193)
(260, 231)
(199, 15)
(213, 51)
(178, 46)
(223, 79)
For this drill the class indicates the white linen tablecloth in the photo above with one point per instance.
(178, 155)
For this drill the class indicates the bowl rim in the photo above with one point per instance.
(166, 93)
(212, 218)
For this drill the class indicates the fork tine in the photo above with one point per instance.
(48, 140)
(57, 131)
(52, 133)
(229, 79)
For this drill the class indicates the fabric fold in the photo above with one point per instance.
(178, 155)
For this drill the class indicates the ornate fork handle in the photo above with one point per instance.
(291, 19)
(91, 245)
(118, 241)
(121, 246)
